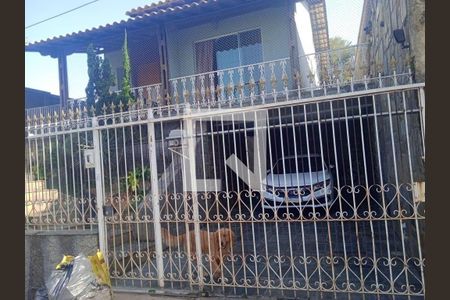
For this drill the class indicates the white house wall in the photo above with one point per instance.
(273, 22)
(305, 41)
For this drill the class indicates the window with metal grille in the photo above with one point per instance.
(229, 51)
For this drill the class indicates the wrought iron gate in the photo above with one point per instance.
(319, 196)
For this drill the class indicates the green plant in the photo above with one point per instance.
(38, 172)
(93, 74)
(126, 83)
(106, 79)
(135, 179)
(101, 79)
(341, 57)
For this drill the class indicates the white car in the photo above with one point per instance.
(301, 181)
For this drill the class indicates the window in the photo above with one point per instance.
(229, 51)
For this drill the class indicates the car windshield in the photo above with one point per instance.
(302, 166)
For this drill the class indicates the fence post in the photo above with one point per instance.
(422, 108)
(99, 187)
(189, 126)
(155, 199)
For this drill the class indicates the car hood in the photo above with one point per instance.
(294, 179)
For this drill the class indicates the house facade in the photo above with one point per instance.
(249, 41)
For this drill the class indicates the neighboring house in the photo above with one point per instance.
(177, 38)
(38, 98)
(380, 19)
(39, 102)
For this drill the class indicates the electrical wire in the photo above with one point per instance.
(63, 13)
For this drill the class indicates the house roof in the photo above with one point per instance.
(76, 42)
(165, 6)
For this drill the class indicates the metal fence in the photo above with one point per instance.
(319, 195)
(52, 110)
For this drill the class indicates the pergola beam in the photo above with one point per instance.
(63, 81)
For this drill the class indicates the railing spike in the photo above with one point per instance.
(92, 110)
(49, 117)
(393, 64)
(70, 114)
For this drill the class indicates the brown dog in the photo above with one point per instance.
(215, 244)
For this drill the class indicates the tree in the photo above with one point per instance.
(93, 74)
(126, 83)
(338, 42)
(106, 79)
(340, 58)
(101, 79)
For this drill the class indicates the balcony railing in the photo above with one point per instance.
(44, 111)
(231, 85)
(149, 95)
(321, 73)
(334, 65)
(312, 75)
(51, 110)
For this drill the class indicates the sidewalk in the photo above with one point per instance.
(170, 295)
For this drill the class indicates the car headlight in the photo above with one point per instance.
(321, 185)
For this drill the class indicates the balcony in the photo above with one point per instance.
(318, 74)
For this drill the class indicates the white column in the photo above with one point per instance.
(189, 125)
(99, 188)
(155, 199)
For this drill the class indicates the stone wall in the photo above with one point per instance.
(44, 252)
(384, 55)
(379, 19)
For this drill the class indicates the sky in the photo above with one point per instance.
(41, 72)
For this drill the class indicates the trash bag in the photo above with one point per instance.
(99, 268)
(67, 259)
(41, 294)
(80, 278)
(57, 282)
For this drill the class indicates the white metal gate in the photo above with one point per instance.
(300, 197)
